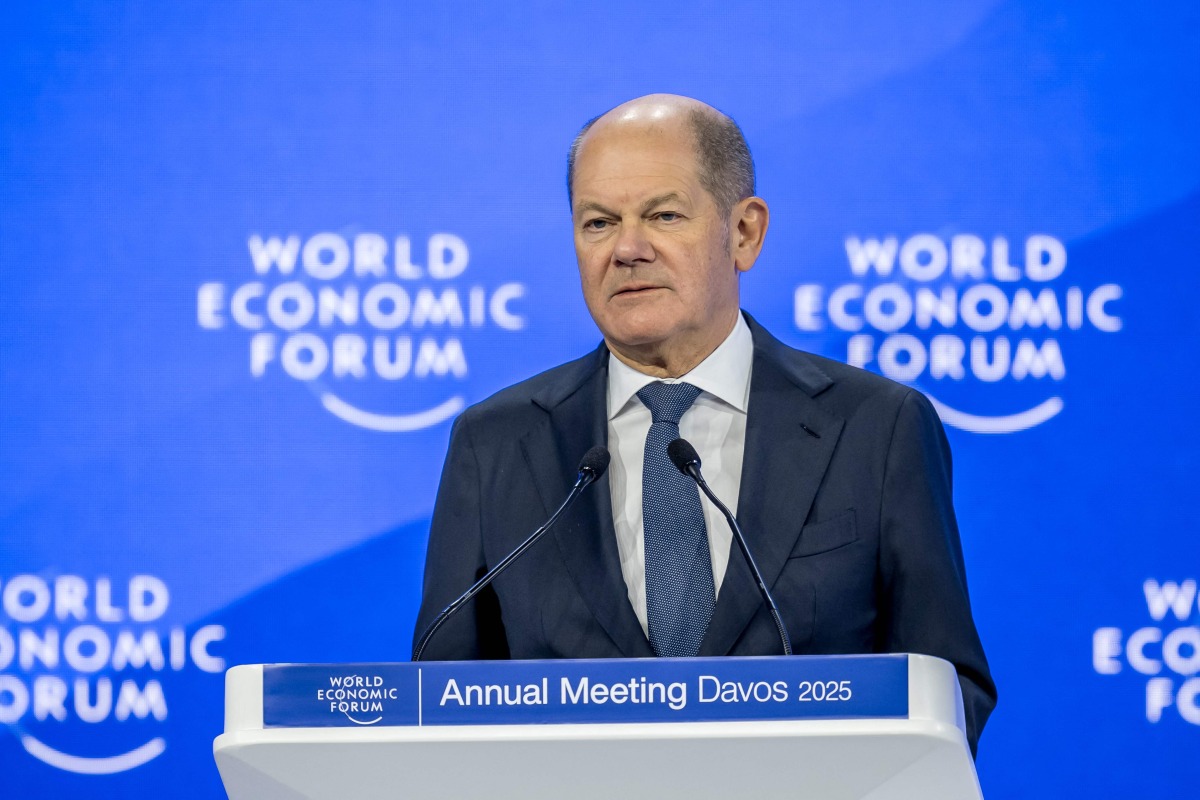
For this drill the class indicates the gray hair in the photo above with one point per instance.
(725, 165)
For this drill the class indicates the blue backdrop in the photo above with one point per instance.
(256, 256)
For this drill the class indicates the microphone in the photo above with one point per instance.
(591, 467)
(687, 461)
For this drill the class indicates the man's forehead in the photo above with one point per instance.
(644, 154)
(628, 179)
(639, 126)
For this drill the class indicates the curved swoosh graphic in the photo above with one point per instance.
(360, 722)
(1010, 423)
(398, 423)
(94, 766)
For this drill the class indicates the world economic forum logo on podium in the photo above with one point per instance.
(355, 315)
(360, 698)
(982, 322)
(339, 695)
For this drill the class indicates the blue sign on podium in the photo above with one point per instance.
(584, 691)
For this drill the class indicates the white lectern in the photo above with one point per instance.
(822, 727)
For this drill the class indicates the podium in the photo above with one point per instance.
(882, 727)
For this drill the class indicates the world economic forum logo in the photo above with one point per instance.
(960, 313)
(355, 315)
(360, 698)
(1164, 650)
(82, 666)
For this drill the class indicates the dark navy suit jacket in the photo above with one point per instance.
(850, 521)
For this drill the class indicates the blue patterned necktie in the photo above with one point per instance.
(679, 580)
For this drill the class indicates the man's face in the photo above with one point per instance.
(653, 248)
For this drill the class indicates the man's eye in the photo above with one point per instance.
(668, 216)
(595, 224)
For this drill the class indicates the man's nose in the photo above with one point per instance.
(632, 247)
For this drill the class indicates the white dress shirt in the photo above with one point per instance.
(716, 427)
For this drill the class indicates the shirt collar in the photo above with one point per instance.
(725, 374)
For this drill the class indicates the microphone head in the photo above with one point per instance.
(595, 461)
(683, 455)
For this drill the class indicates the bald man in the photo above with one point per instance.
(839, 478)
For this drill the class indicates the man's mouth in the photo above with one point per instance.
(635, 290)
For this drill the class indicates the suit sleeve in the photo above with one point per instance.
(922, 569)
(455, 560)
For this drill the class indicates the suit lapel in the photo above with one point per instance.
(783, 468)
(576, 420)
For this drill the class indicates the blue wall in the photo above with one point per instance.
(254, 257)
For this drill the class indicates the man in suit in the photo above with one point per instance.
(839, 478)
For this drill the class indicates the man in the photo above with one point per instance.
(839, 478)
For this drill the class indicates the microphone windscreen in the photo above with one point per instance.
(683, 455)
(595, 461)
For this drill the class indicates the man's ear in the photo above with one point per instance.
(748, 229)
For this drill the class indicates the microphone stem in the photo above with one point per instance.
(694, 471)
(582, 482)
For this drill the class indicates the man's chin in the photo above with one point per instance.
(640, 342)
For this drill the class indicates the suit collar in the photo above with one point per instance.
(797, 366)
(790, 439)
(576, 420)
(574, 376)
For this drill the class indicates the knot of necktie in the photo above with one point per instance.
(668, 401)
